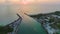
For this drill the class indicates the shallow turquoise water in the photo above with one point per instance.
(30, 26)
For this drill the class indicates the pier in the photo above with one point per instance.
(15, 25)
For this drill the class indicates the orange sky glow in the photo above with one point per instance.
(31, 1)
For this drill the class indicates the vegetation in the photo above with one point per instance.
(56, 25)
(36, 16)
(5, 30)
(57, 13)
(56, 33)
(51, 20)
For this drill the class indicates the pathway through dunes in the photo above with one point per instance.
(30, 26)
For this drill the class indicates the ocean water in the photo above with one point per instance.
(28, 24)
(7, 14)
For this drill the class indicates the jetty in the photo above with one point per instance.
(15, 24)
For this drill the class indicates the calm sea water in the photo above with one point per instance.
(30, 26)
(7, 14)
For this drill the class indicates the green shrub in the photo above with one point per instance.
(5, 29)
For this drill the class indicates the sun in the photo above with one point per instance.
(26, 1)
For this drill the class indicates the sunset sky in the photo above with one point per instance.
(32, 1)
(35, 1)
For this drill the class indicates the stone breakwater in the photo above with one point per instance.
(15, 25)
